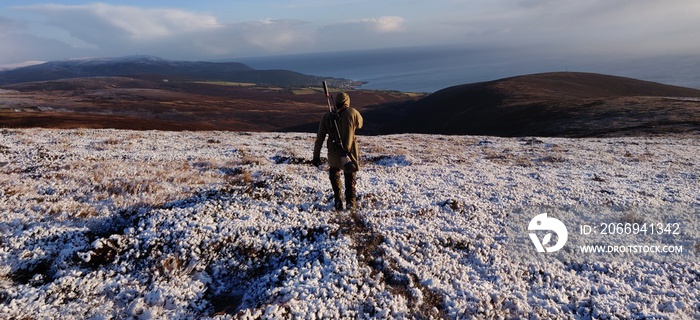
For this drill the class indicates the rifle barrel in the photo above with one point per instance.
(325, 89)
(331, 106)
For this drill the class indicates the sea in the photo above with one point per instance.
(432, 68)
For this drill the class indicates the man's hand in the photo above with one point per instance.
(316, 162)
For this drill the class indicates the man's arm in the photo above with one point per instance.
(359, 121)
(352, 122)
(320, 137)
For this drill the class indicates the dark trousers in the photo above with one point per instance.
(350, 193)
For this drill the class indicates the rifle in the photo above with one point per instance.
(335, 136)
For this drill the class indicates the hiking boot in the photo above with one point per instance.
(351, 205)
(338, 204)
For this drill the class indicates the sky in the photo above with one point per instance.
(226, 29)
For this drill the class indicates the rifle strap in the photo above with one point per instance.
(334, 133)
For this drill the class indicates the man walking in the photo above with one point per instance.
(348, 121)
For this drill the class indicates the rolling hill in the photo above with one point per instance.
(554, 104)
(237, 98)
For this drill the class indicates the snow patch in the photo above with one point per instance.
(147, 224)
(392, 161)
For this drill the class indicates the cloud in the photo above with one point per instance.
(596, 25)
(385, 24)
(602, 26)
(178, 34)
(276, 35)
(20, 47)
(97, 22)
(380, 32)
(171, 33)
(8, 26)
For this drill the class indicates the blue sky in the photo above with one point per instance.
(222, 29)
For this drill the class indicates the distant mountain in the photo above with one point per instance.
(135, 66)
(551, 104)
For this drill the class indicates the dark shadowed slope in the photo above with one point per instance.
(555, 104)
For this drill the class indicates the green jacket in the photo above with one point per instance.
(350, 119)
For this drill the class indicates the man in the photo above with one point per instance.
(349, 120)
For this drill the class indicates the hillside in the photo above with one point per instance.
(177, 225)
(135, 66)
(147, 103)
(551, 104)
(555, 104)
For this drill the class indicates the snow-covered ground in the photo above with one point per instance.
(107, 224)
